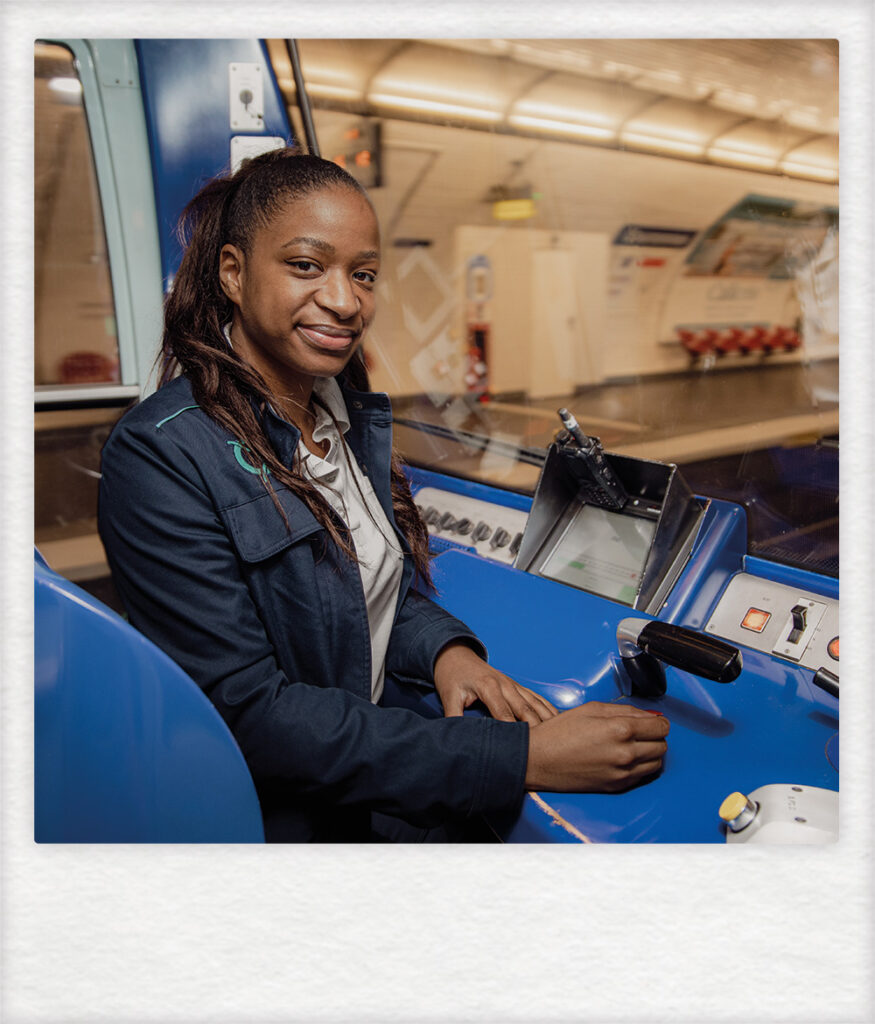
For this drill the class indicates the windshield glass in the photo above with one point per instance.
(567, 223)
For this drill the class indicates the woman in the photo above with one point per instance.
(261, 532)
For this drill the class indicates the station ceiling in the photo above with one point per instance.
(760, 104)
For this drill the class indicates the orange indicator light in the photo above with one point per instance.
(756, 619)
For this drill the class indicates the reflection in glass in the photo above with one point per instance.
(683, 304)
(75, 332)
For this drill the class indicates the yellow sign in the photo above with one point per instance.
(513, 209)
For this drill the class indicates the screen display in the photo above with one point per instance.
(602, 552)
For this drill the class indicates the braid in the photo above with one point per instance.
(231, 210)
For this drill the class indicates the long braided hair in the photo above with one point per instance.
(230, 210)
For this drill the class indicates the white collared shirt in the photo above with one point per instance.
(339, 479)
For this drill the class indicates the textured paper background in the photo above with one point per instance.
(225, 934)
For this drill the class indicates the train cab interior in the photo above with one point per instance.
(608, 324)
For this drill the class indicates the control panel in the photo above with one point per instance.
(458, 520)
(781, 620)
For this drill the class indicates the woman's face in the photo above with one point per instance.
(304, 293)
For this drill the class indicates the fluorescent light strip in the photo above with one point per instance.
(667, 145)
(810, 170)
(585, 131)
(564, 114)
(333, 92)
(433, 107)
(739, 157)
(682, 136)
(445, 92)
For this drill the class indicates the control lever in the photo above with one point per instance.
(827, 680)
(647, 645)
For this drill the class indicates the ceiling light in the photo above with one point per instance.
(809, 170)
(461, 88)
(740, 157)
(333, 92)
(659, 129)
(662, 143)
(433, 107)
(585, 131)
(556, 113)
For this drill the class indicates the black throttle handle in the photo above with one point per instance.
(690, 651)
(827, 681)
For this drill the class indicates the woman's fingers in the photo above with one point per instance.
(525, 705)
(596, 707)
(453, 702)
(542, 707)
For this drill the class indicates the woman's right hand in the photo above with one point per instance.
(595, 748)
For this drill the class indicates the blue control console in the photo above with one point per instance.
(771, 725)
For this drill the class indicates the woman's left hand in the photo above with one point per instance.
(461, 677)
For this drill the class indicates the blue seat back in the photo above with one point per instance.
(127, 747)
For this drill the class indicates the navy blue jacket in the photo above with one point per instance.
(270, 621)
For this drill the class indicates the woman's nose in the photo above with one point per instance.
(338, 295)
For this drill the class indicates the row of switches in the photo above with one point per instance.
(482, 531)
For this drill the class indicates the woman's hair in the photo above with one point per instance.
(230, 210)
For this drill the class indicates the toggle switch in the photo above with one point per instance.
(799, 627)
(798, 616)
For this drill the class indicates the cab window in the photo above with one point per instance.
(75, 331)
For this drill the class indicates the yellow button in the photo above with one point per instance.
(732, 806)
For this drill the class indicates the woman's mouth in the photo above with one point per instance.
(335, 339)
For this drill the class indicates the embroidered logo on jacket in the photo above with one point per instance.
(239, 448)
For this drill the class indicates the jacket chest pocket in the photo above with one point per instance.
(301, 585)
(259, 531)
(280, 561)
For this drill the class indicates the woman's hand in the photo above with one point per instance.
(461, 677)
(596, 748)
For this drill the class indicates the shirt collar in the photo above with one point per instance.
(327, 390)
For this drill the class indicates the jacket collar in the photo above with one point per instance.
(362, 409)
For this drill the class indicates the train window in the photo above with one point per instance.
(644, 231)
(75, 331)
(76, 349)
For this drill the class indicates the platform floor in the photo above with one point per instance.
(678, 418)
(765, 437)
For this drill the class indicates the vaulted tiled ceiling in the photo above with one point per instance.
(763, 104)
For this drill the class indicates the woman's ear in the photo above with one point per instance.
(230, 271)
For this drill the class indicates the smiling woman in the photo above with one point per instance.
(302, 303)
(261, 531)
